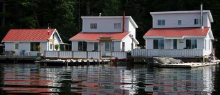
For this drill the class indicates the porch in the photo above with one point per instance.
(177, 53)
(83, 54)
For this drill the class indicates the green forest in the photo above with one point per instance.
(64, 15)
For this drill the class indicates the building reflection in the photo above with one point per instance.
(106, 80)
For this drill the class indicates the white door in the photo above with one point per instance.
(16, 48)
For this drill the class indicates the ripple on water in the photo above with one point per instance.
(93, 80)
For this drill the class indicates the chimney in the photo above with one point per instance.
(48, 31)
(201, 13)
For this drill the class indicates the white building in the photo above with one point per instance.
(110, 33)
(180, 34)
(26, 41)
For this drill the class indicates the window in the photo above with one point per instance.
(174, 43)
(107, 45)
(93, 25)
(117, 25)
(82, 46)
(51, 46)
(161, 22)
(96, 46)
(179, 22)
(34, 46)
(16, 45)
(158, 44)
(123, 46)
(196, 21)
(191, 43)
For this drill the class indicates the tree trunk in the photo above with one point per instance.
(88, 8)
(3, 11)
(35, 16)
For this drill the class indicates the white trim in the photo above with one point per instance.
(24, 41)
(128, 17)
(184, 12)
(93, 41)
(194, 37)
(55, 30)
(153, 37)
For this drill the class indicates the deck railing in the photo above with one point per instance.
(82, 54)
(167, 53)
(119, 54)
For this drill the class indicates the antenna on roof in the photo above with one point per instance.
(201, 13)
(100, 14)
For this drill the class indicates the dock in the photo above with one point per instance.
(73, 62)
(187, 65)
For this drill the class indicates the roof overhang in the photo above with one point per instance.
(23, 41)
(185, 12)
(184, 37)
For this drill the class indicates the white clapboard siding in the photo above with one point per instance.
(80, 54)
(95, 55)
(119, 55)
(51, 54)
(33, 53)
(139, 52)
(167, 53)
(65, 54)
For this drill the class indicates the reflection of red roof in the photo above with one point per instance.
(96, 36)
(28, 35)
(177, 32)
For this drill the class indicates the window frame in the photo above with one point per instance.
(158, 44)
(179, 22)
(34, 44)
(95, 46)
(16, 46)
(191, 44)
(83, 46)
(175, 46)
(161, 22)
(197, 21)
(93, 25)
(117, 25)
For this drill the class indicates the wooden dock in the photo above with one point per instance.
(187, 65)
(73, 62)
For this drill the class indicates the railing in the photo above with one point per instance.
(81, 54)
(167, 53)
(119, 54)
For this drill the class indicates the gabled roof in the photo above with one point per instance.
(96, 36)
(28, 35)
(185, 12)
(103, 17)
(177, 32)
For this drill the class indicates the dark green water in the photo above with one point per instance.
(33, 79)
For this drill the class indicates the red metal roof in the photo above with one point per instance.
(177, 32)
(96, 36)
(28, 35)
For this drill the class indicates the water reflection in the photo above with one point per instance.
(105, 80)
